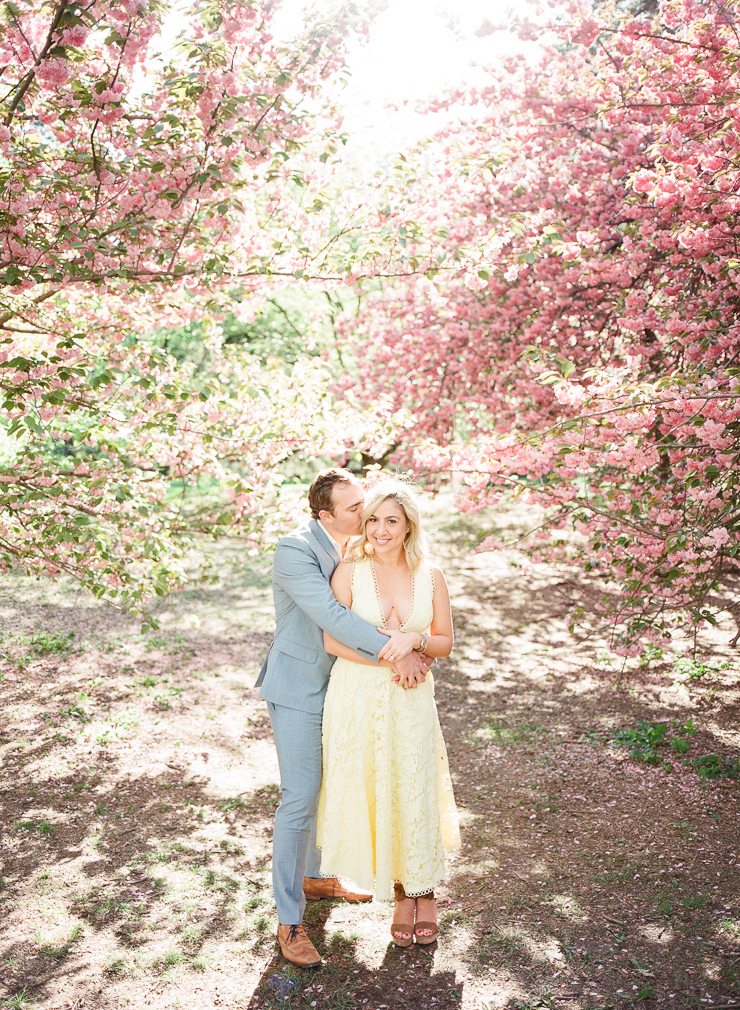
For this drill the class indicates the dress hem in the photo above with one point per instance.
(409, 894)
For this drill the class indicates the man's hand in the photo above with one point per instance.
(411, 670)
(400, 644)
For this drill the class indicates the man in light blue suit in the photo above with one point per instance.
(293, 682)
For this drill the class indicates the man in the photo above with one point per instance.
(293, 682)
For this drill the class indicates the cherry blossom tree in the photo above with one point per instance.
(137, 192)
(572, 335)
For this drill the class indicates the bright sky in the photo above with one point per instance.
(416, 49)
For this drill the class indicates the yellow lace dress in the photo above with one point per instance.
(386, 807)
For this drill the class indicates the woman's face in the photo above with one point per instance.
(387, 527)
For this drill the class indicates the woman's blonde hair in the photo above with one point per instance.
(415, 542)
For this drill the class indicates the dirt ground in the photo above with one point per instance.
(138, 784)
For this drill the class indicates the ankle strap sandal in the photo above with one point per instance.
(431, 936)
(401, 927)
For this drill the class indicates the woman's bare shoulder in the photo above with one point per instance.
(342, 573)
(438, 576)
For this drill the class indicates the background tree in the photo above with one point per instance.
(572, 336)
(142, 193)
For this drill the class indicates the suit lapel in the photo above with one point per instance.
(327, 557)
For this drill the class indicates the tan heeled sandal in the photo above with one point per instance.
(401, 927)
(422, 924)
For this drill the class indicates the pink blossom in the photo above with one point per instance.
(53, 72)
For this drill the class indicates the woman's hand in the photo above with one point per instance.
(400, 644)
(411, 671)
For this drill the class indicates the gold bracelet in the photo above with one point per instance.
(424, 642)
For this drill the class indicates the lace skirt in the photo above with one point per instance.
(386, 809)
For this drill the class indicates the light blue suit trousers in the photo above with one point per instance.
(298, 744)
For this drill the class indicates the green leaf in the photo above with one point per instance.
(21, 364)
(33, 424)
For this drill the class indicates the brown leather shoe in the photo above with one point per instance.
(330, 887)
(296, 947)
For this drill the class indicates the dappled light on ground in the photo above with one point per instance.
(139, 782)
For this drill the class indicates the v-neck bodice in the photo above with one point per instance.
(367, 603)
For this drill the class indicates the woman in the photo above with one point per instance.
(386, 809)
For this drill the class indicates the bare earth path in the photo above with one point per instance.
(138, 783)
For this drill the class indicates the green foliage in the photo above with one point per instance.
(687, 728)
(647, 742)
(681, 745)
(710, 766)
(643, 741)
(120, 441)
(284, 328)
(697, 669)
(651, 654)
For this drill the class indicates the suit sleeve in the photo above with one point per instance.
(298, 573)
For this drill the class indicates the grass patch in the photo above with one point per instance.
(192, 935)
(693, 901)
(544, 1000)
(621, 871)
(232, 803)
(18, 1000)
(498, 944)
(75, 710)
(46, 645)
(174, 646)
(43, 826)
(59, 950)
(176, 958)
(665, 907)
(504, 734)
(118, 966)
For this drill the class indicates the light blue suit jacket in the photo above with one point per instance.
(296, 671)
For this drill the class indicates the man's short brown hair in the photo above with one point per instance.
(322, 488)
